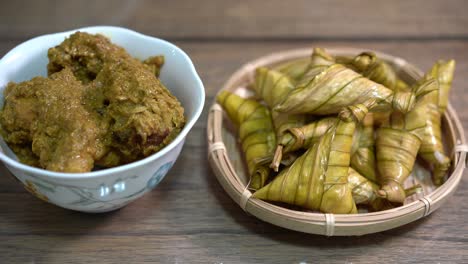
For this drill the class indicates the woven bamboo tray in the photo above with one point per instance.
(226, 159)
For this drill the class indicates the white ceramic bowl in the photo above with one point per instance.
(108, 189)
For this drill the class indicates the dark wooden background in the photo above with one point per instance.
(188, 218)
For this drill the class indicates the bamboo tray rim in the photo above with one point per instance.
(321, 223)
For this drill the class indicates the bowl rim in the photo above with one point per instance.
(93, 174)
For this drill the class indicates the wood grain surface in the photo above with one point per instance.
(276, 19)
(189, 218)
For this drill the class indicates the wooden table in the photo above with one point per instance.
(189, 218)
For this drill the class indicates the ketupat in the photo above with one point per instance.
(319, 61)
(406, 105)
(301, 138)
(337, 87)
(443, 71)
(381, 72)
(301, 69)
(294, 69)
(396, 154)
(272, 86)
(363, 153)
(397, 145)
(381, 118)
(326, 88)
(429, 109)
(376, 70)
(256, 134)
(283, 86)
(370, 66)
(364, 192)
(318, 180)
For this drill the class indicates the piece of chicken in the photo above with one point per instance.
(62, 133)
(98, 106)
(85, 54)
(143, 115)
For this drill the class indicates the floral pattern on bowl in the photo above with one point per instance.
(30, 187)
(158, 175)
(100, 197)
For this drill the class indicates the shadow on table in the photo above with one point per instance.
(31, 216)
(283, 235)
(40, 218)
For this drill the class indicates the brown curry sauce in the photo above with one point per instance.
(98, 107)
